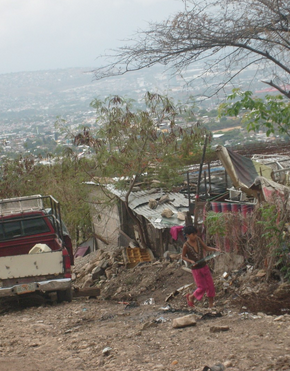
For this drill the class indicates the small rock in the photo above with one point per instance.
(279, 318)
(189, 320)
(119, 289)
(167, 213)
(181, 215)
(158, 367)
(217, 367)
(261, 273)
(106, 351)
(228, 363)
(152, 203)
(108, 273)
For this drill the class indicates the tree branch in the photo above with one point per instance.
(258, 27)
(282, 91)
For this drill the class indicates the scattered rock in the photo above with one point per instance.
(163, 199)
(217, 367)
(106, 351)
(189, 320)
(219, 328)
(167, 213)
(181, 215)
(97, 272)
(108, 273)
(152, 203)
(261, 273)
(228, 363)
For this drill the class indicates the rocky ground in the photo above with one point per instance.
(130, 326)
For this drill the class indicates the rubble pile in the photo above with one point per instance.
(97, 267)
(244, 288)
(247, 288)
(107, 269)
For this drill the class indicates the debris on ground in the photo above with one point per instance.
(166, 281)
(115, 330)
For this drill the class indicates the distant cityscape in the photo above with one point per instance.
(31, 103)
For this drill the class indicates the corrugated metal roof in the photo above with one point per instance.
(138, 201)
(155, 218)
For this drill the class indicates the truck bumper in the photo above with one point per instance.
(43, 286)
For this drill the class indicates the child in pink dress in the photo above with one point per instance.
(193, 251)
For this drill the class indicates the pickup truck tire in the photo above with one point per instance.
(64, 295)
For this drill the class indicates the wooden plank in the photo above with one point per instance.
(86, 291)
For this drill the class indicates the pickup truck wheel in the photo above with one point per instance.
(65, 295)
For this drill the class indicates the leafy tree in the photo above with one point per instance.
(130, 145)
(271, 113)
(64, 180)
(226, 35)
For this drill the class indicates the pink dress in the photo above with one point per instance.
(201, 273)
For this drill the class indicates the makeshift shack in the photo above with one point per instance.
(229, 186)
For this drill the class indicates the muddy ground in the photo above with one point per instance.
(130, 325)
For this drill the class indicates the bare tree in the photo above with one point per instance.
(227, 35)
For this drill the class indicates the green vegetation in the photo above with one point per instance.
(64, 180)
(271, 114)
(275, 239)
(129, 143)
(262, 237)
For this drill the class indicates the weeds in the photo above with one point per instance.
(262, 237)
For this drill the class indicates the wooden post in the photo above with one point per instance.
(209, 178)
(226, 179)
(205, 185)
(161, 243)
(188, 190)
(188, 220)
(198, 183)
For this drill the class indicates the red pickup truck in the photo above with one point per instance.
(35, 249)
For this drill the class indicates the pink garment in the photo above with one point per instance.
(204, 283)
(174, 231)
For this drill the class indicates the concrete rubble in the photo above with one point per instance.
(106, 270)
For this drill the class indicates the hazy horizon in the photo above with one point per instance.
(53, 34)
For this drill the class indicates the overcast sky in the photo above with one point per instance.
(50, 34)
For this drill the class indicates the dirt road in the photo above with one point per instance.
(74, 336)
(99, 334)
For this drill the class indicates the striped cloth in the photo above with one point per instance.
(239, 227)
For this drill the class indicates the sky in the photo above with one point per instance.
(54, 34)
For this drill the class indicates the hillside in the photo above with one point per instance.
(130, 325)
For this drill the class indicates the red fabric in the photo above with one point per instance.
(204, 283)
(174, 231)
(81, 251)
(241, 228)
(223, 207)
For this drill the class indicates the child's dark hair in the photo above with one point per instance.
(189, 229)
